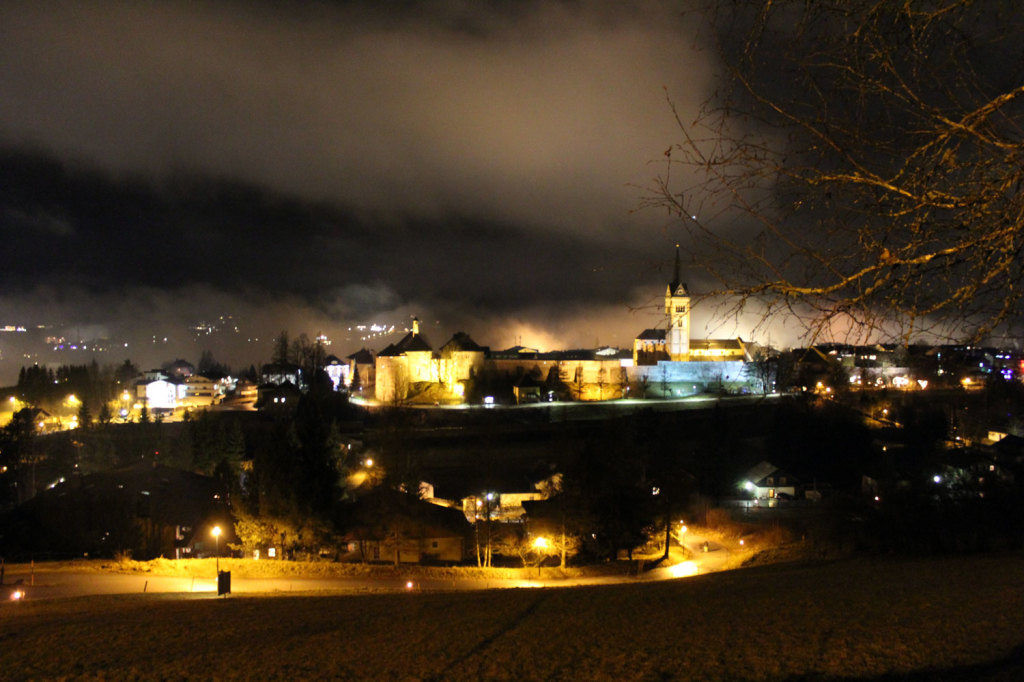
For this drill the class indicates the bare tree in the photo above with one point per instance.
(860, 165)
(763, 369)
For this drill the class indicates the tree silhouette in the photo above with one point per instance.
(859, 167)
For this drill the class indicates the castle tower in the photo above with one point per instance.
(677, 310)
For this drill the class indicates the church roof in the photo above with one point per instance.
(716, 344)
(461, 341)
(410, 343)
(389, 351)
(651, 335)
(517, 353)
(413, 342)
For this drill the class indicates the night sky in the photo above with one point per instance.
(307, 166)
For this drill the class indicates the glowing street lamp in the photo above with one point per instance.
(542, 545)
(216, 539)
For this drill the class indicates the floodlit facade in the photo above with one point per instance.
(403, 368)
(161, 394)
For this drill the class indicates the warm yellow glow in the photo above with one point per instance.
(369, 461)
(73, 400)
(541, 543)
(215, 532)
(684, 569)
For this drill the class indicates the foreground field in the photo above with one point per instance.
(928, 619)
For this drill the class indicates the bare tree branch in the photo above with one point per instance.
(861, 165)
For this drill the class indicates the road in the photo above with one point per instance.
(63, 584)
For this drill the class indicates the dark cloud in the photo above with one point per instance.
(311, 165)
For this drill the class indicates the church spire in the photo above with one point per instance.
(675, 284)
(677, 264)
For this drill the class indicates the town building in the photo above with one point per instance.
(665, 362)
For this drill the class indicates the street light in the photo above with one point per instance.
(541, 544)
(216, 539)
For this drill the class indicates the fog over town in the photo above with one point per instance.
(316, 166)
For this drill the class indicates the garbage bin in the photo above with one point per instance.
(223, 582)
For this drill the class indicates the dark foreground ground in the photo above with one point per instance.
(955, 619)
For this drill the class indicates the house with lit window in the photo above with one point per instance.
(278, 399)
(201, 391)
(337, 369)
(768, 482)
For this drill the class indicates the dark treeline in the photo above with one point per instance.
(93, 385)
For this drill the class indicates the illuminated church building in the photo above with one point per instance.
(673, 343)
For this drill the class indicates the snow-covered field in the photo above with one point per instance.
(957, 618)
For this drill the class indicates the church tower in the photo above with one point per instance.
(677, 310)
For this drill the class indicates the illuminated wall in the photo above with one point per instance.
(161, 395)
